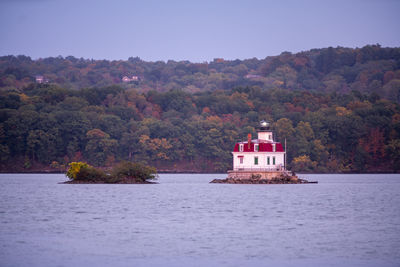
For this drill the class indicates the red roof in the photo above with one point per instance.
(262, 147)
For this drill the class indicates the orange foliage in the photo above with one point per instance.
(214, 119)
(96, 133)
(342, 111)
(206, 110)
(300, 61)
(389, 75)
(292, 108)
(357, 105)
(250, 104)
(157, 111)
(363, 77)
(374, 144)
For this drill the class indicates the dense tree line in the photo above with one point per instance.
(327, 132)
(370, 69)
(338, 109)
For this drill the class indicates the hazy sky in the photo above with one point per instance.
(192, 30)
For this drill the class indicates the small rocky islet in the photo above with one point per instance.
(123, 173)
(126, 181)
(257, 180)
(260, 161)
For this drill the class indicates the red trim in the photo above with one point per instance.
(240, 156)
(262, 147)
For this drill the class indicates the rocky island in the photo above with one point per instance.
(255, 179)
(260, 161)
(123, 173)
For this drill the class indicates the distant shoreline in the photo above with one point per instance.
(189, 172)
(102, 182)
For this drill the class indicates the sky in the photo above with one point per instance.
(197, 31)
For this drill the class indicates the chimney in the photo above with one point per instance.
(249, 140)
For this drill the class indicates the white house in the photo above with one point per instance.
(41, 79)
(126, 79)
(261, 155)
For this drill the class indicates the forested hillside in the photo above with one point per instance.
(371, 69)
(338, 109)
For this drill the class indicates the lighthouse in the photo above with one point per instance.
(262, 157)
(260, 161)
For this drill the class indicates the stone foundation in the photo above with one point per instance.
(262, 175)
(288, 180)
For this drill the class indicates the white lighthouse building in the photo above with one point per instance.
(261, 157)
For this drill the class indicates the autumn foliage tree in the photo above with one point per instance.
(337, 106)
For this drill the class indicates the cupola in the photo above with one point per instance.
(264, 132)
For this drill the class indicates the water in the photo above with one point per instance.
(345, 220)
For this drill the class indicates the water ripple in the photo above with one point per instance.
(351, 220)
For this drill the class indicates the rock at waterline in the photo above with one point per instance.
(276, 180)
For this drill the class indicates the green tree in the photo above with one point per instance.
(126, 171)
(304, 135)
(42, 145)
(99, 146)
(284, 129)
(303, 163)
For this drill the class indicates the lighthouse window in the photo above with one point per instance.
(241, 147)
(268, 162)
(255, 160)
(273, 160)
(256, 147)
(241, 160)
(270, 137)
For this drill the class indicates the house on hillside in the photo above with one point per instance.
(126, 79)
(41, 79)
(252, 76)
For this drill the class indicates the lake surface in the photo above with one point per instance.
(345, 220)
